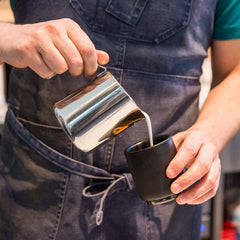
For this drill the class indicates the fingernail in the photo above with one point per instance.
(171, 173)
(176, 188)
(102, 61)
(181, 200)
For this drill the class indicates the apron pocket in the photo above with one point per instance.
(128, 11)
(140, 20)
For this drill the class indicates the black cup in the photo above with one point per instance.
(148, 167)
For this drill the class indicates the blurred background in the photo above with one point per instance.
(221, 215)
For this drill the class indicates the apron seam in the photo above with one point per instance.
(60, 206)
(38, 124)
(110, 152)
(164, 77)
(145, 222)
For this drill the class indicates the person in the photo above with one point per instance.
(155, 48)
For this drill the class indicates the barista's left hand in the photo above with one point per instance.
(199, 154)
(218, 121)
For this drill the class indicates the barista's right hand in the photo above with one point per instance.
(51, 47)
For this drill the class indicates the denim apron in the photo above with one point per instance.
(51, 190)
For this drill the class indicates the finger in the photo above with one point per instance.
(185, 155)
(102, 57)
(181, 199)
(85, 47)
(53, 58)
(37, 64)
(210, 194)
(71, 55)
(199, 168)
(203, 189)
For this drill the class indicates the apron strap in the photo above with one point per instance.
(124, 182)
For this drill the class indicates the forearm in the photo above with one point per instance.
(3, 28)
(219, 117)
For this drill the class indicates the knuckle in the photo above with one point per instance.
(212, 183)
(37, 34)
(52, 28)
(44, 75)
(213, 192)
(91, 71)
(76, 66)
(190, 149)
(38, 38)
(70, 24)
(88, 51)
(204, 166)
(76, 63)
(75, 73)
(68, 21)
(61, 69)
(25, 48)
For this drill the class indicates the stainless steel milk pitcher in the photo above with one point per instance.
(97, 112)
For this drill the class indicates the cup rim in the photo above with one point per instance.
(130, 149)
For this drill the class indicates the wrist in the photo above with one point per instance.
(4, 32)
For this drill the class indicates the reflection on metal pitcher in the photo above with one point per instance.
(98, 112)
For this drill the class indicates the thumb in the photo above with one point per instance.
(102, 57)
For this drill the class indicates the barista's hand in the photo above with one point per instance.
(50, 47)
(199, 154)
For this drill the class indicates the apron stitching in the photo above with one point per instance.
(108, 155)
(147, 225)
(62, 194)
(111, 151)
(121, 76)
(161, 76)
(9, 190)
(145, 221)
(69, 148)
(124, 52)
(38, 124)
